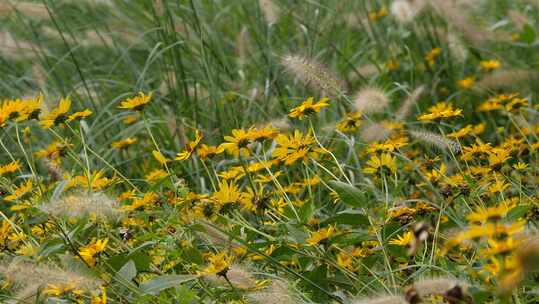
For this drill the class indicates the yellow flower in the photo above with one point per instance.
(160, 157)
(294, 147)
(432, 55)
(205, 151)
(481, 215)
(237, 143)
(517, 166)
(124, 143)
(466, 83)
(321, 235)
(79, 115)
(10, 167)
(308, 107)
(190, 147)
(228, 193)
(350, 123)
(498, 187)
(148, 199)
(89, 251)
(377, 15)
(20, 191)
(403, 240)
(96, 299)
(155, 175)
(218, 263)
(490, 65)
(440, 110)
(96, 180)
(58, 115)
(375, 163)
(136, 103)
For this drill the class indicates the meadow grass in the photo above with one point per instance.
(271, 151)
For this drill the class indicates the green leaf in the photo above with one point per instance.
(128, 271)
(349, 194)
(306, 212)
(348, 217)
(164, 282)
(528, 34)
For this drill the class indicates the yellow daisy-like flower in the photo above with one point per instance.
(321, 235)
(136, 103)
(58, 115)
(89, 251)
(432, 55)
(308, 107)
(190, 147)
(440, 110)
(20, 191)
(295, 147)
(124, 143)
(205, 151)
(517, 166)
(148, 199)
(350, 123)
(10, 167)
(79, 115)
(481, 215)
(466, 83)
(403, 240)
(218, 263)
(490, 65)
(155, 175)
(237, 143)
(160, 157)
(228, 193)
(375, 163)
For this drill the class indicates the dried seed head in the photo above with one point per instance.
(27, 9)
(371, 100)
(313, 74)
(239, 275)
(505, 79)
(81, 205)
(457, 48)
(382, 300)
(409, 102)
(457, 16)
(33, 277)
(405, 11)
(437, 286)
(436, 140)
(277, 292)
(375, 132)
(270, 11)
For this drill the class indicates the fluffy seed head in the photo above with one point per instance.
(27, 9)
(375, 132)
(405, 11)
(435, 286)
(239, 275)
(81, 205)
(371, 100)
(277, 293)
(313, 74)
(505, 79)
(270, 11)
(33, 277)
(382, 300)
(436, 140)
(456, 47)
(408, 103)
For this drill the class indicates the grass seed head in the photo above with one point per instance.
(313, 74)
(371, 100)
